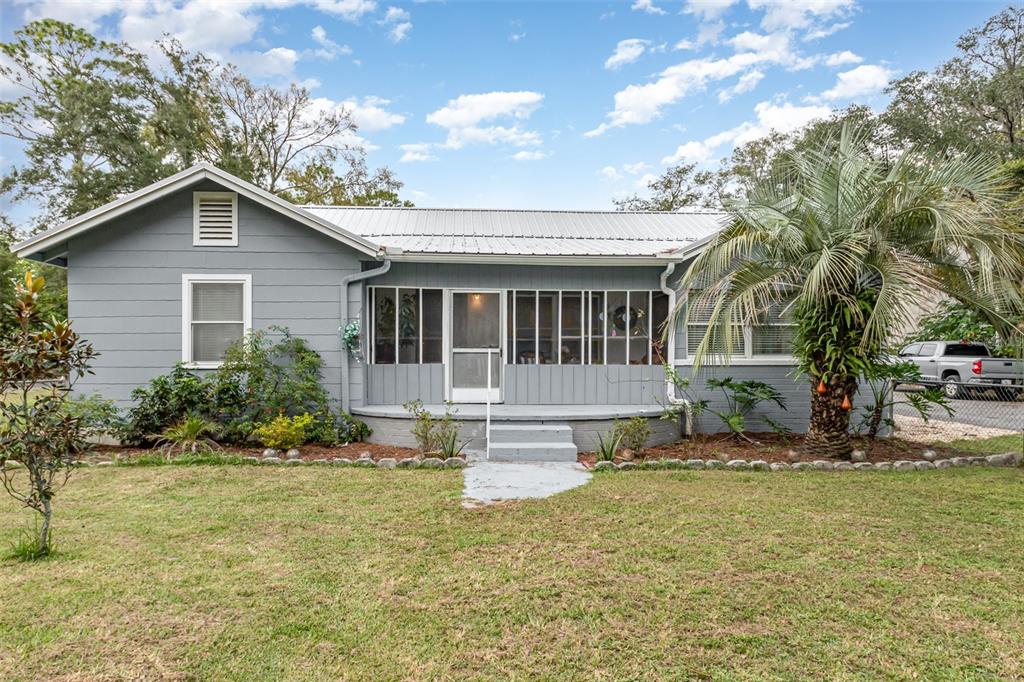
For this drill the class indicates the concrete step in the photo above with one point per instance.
(531, 433)
(533, 452)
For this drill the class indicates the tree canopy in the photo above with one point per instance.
(97, 119)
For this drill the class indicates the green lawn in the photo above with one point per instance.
(232, 572)
(989, 446)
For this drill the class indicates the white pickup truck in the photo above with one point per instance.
(962, 368)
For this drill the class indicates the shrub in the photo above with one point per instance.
(633, 433)
(740, 398)
(35, 427)
(283, 433)
(432, 433)
(164, 402)
(262, 377)
(606, 449)
(193, 435)
(97, 415)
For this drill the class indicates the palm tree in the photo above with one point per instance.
(846, 244)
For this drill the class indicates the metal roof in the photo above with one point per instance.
(524, 232)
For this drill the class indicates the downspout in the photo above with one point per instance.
(346, 401)
(670, 387)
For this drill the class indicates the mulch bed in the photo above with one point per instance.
(772, 447)
(309, 452)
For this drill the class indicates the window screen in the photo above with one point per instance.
(218, 319)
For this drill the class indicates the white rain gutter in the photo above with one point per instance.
(670, 387)
(346, 400)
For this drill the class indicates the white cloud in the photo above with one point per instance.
(782, 117)
(419, 151)
(634, 168)
(396, 14)
(370, 114)
(517, 37)
(399, 22)
(468, 110)
(84, 14)
(638, 104)
(843, 58)
(684, 44)
(613, 174)
(400, 32)
(644, 180)
(708, 10)
(277, 61)
(328, 49)
(626, 52)
(610, 173)
(647, 6)
(462, 118)
(824, 31)
(792, 15)
(529, 156)
(863, 80)
(746, 83)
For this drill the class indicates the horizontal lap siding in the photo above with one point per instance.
(124, 287)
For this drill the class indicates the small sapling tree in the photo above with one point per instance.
(39, 362)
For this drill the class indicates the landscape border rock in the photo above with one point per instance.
(1007, 459)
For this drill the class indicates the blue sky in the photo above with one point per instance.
(549, 105)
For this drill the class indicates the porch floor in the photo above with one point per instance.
(502, 412)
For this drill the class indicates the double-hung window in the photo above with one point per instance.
(216, 312)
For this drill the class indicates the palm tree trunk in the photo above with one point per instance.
(829, 431)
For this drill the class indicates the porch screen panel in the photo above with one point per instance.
(659, 326)
(385, 310)
(547, 327)
(639, 328)
(571, 346)
(617, 312)
(432, 315)
(408, 326)
(596, 335)
(525, 333)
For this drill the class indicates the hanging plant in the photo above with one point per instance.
(350, 334)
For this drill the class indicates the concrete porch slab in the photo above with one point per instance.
(494, 481)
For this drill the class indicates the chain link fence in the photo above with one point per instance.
(970, 418)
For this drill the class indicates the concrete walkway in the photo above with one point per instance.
(486, 482)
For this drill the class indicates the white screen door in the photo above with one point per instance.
(476, 338)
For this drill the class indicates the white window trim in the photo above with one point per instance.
(196, 240)
(187, 281)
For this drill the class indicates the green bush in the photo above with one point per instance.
(262, 377)
(433, 434)
(633, 434)
(282, 433)
(193, 435)
(164, 402)
(99, 416)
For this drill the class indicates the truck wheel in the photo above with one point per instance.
(951, 387)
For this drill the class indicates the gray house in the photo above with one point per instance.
(552, 321)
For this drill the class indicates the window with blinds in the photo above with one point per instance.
(216, 314)
(772, 334)
(215, 219)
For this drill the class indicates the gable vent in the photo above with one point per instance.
(215, 219)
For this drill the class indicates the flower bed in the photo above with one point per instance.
(771, 448)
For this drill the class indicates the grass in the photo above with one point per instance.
(250, 573)
(995, 445)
